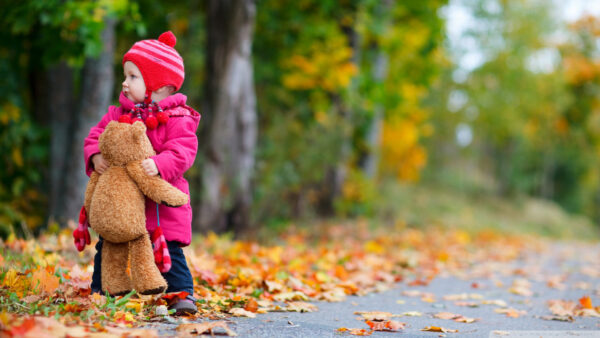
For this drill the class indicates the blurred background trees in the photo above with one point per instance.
(312, 108)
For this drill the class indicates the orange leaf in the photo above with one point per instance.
(586, 302)
(387, 325)
(45, 281)
(21, 330)
(355, 332)
(251, 306)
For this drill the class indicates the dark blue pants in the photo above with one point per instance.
(178, 278)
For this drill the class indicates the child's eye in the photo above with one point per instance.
(133, 76)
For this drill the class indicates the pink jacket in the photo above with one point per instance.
(176, 145)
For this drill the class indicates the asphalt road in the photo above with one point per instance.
(564, 271)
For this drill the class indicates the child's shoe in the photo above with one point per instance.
(184, 306)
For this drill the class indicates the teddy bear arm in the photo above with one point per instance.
(89, 190)
(155, 188)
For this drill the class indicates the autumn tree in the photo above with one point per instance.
(228, 139)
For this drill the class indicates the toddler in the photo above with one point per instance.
(153, 72)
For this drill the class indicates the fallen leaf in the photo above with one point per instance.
(588, 313)
(356, 332)
(467, 304)
(445, 315)
(439, 329)
(497, 302)
(521, 287)
(374, 315)
(206, 327)
(301, 307)
(428, 299)
(510, 312)
(287, 296)
(273, 286)
(239, 312)
(463, 319)
(412, 314)
(463, 296)
(31, 299)
(586, 302)
(251, 305)
(559, 318)
(562, 308)
(44, 281)
(387, 325)
(411, 293)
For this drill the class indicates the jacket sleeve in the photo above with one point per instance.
(90, 144)
(179, 151)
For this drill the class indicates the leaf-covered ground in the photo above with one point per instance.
(45, 282)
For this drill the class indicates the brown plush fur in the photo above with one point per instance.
(115, 205)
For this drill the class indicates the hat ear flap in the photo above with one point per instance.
(138, 131)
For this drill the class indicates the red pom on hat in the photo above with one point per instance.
(168, 38)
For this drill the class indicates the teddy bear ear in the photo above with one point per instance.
(138, 130)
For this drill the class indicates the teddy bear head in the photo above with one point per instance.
(121, 143)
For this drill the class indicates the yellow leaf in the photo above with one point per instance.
(17, 157)
(438, 329)
(135, 304)
(373, 247)
(14, 281)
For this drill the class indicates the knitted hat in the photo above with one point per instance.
(158, 61)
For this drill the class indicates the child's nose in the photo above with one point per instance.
(124, 84)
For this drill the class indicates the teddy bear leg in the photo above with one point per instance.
(115, 279)
(146, 277)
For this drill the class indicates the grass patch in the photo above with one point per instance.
(476, 210)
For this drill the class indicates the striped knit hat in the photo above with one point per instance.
(158, 61)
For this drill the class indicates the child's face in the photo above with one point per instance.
(133, 86)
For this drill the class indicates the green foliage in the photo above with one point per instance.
(21, 203)
(63, 30)
(36, 35)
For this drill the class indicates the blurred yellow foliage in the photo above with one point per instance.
(327, 65)
(8, 113)
(401, 152)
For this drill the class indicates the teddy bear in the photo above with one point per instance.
(115, 205)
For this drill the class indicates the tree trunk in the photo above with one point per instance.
(54, 109)
(370, 160)
(96, 90)
(229, 132)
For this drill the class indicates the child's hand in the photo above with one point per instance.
(150, 167)
(100, 164)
